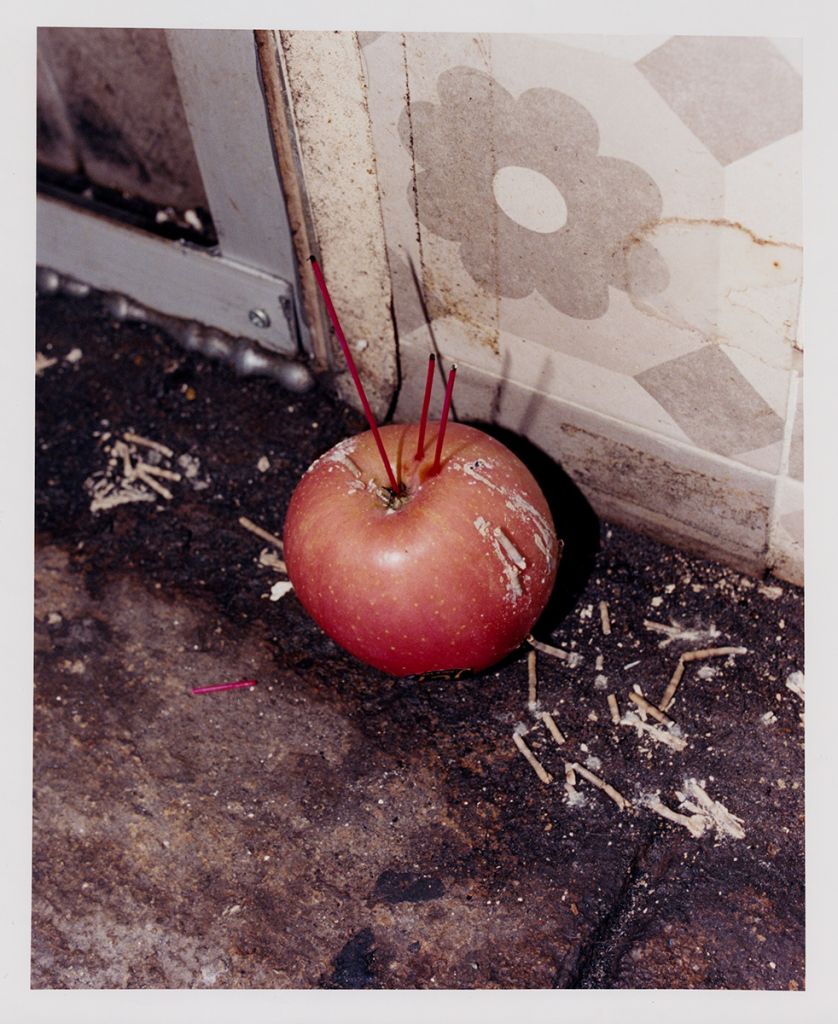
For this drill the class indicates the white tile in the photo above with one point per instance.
(691, 248)
(677, 493)
(764, 191)
(759, 297)
(792, 50)
(634, 123)
(630, 338)
(565, 380)
(736, 93)
(628, 48)
(728, 288)
(771, 382)
(554, 373)
(766, 459)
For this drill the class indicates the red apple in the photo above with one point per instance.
(450, 574)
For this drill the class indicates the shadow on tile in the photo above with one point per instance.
(576, 522)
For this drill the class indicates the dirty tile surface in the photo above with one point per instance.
(334, 828)
(612, 221)
(551, 191)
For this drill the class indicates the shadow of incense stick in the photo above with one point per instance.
(434, 344)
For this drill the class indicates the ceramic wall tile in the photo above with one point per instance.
(751, 187)
(736, 94)
(713, 403)
(674, 491)
(576, 381)
(611, 224)
(795, 464)
(630, 48)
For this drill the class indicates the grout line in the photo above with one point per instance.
(791, 415)
(785, 456)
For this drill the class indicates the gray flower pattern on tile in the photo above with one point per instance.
(477, 129)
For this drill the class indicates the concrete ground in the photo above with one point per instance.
(331, 827)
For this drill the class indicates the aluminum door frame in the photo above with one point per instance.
(248, 285)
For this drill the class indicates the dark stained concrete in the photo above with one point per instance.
(335, 828)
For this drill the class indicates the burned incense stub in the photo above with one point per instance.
(420, 548)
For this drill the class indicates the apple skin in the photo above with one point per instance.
(453, 578)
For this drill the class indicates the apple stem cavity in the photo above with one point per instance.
(359, 387)
(443, 423)
(423, 420)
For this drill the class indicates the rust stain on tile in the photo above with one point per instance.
(649, 228)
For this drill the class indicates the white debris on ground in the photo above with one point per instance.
(677, 632)
(270, 560)
(42, 363)
(668, 737)
(190, 465)
(795, 683)
(572, 769)
(535, 764)
(696, 810)
(574, 797)
(193, 220)
(73, 356)
(652, 802)
(280, 589)
(571, 658)
(137, 469)
(264, 464)
(695, 798)
(704, 813)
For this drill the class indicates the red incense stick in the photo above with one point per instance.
(443, 423)
(350, 362)
(224, 686)
(423, 421)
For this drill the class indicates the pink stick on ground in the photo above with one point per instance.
(224, 686)
(443, 423)
(350, 362)
(423, 420)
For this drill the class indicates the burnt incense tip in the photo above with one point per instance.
(312, 259)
